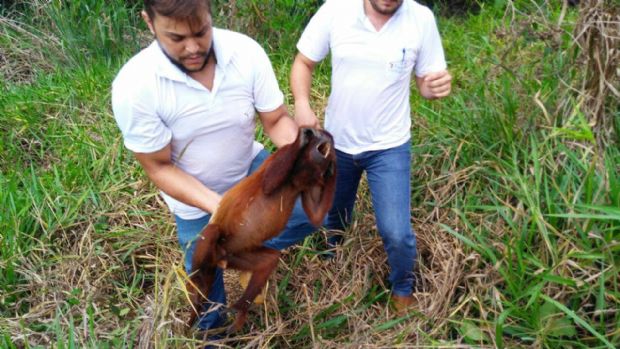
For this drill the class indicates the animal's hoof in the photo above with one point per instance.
(240, 317)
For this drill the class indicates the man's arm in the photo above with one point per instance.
(434, 85)
(301, 83)
(176, 183)
(279, 126)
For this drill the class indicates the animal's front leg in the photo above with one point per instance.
(261, 262)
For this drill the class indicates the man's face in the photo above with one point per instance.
(185, 45)
(385, 7)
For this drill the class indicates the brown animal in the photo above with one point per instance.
(257, 209)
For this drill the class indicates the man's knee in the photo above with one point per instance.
(399, 238)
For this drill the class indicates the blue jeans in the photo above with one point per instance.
(297, 228)
(388, 172)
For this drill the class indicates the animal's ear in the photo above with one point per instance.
(317, 200)
(280, 164)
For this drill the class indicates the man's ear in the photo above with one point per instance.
(148, 21)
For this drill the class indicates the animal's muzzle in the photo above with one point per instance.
(324, 148)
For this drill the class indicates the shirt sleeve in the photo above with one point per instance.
(314, 42)
(431, 56)
(267, 93)
(134, 109)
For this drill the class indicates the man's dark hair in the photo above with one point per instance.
(184, 10)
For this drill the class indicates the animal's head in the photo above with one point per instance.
(309, 166)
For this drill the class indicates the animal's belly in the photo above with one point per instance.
(252, 233)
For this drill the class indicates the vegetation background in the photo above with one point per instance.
(516, 190)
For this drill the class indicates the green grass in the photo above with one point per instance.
(515, 203)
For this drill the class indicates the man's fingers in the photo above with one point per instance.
(441, 92)
(440, 87)
(436, 75)
(436, 84)
(439, 80)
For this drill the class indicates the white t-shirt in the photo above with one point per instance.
(211, 132)
(368, 108)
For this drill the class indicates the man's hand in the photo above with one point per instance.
(435, 85)
(305, 117)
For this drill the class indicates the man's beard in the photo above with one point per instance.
(382, 11)
(180, 65)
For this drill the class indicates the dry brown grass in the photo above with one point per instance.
(597, 36)
(27, 51)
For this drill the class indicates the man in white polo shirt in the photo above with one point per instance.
(186, 106)
(375, 46)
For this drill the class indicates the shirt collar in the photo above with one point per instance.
(166, 69)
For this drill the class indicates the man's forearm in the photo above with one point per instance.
(284, 131)
(301, 81)
(279, 126)
(301, 84)
(183, 187)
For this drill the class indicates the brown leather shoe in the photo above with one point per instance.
(403, 304)
(244, 280)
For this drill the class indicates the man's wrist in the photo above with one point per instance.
(302, 103)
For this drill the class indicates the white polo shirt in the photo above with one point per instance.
(211, 132)
(368, 108)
